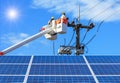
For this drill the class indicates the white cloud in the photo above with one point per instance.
(107, 10)
(45, 42)
(23, 35)
(12, 38)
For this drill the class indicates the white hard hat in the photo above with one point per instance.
(63, 13)
(52, 17)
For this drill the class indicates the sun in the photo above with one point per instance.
(12, 14)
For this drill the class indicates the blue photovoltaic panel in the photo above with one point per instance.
(15, 59)
(11, 79)
(106, 69)
(103, 59)
(58, 59)
(60, 79)
(13, 69)
(109, 79)
(59, 70)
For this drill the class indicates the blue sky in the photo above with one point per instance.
(33, 14)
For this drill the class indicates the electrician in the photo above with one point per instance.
(63, 15)
(64, 19)
(50, 21)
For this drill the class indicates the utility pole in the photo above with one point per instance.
(79, 48)
(78, 45)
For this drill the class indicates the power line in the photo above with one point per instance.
(91, 8)
(64, 41)
(53, 48)
(84, 36)
(105, 10)
(100, 26)
(71, 38)
(96, 33)
(111, 15)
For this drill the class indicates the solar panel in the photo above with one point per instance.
(60, 79)
(13, 69)
(14, 59)
(109, 79)
(103, 59)
(58, 59)
(106, 69)
(60, 69)
(11, 79)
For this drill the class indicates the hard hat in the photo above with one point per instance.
(63, 13)
(52, 17)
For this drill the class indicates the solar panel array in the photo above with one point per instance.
(60, 69)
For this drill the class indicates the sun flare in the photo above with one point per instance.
(12, 14)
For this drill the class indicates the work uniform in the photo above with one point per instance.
(64, 19)
(63, 16)
(50, 21)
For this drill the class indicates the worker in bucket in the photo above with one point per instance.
(64, 19)
(48, 25)
(51, 24)
(63, 15)
(50, 21)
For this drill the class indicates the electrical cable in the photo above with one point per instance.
(84, 36)
(71, 38)
(101, 12)
(105, 10)
(111, 15)
(53, 48)
(65, 48)
(100, 26)
(64, 41)
(89, 21)
(85, 47)
(91, 39)
(87, 50)
(96, 33)
(88, 9)
(86, 32)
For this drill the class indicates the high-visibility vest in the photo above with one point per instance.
(64, 20)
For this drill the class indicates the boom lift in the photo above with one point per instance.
(50, 32)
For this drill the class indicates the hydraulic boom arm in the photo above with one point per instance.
(31, 38)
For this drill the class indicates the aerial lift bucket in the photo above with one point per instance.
(61, 26)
